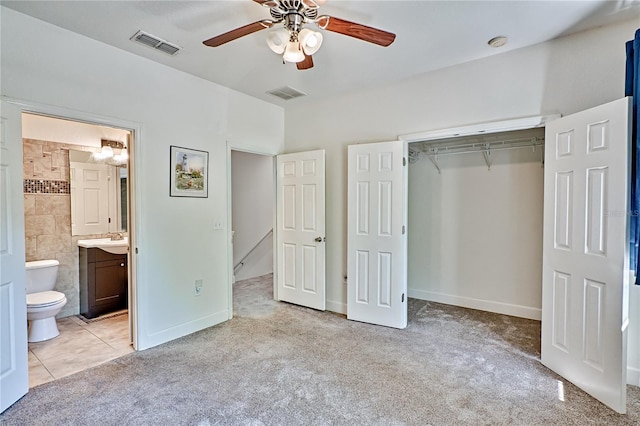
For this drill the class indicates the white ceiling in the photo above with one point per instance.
(430, 35)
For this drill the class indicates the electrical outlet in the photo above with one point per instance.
(198, 287)
(217, 225)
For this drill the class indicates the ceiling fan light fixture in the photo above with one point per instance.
(310, 41)
(277, 40)
(293, 53)
(294, 15)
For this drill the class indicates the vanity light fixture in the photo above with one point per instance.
(122, 157)
(107, 151)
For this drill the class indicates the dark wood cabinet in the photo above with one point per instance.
(103, 282)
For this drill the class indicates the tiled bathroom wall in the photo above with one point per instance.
(47, 214)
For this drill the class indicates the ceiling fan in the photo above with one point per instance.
(295, 42)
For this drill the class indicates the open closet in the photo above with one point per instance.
(476, 221)
(492, 230)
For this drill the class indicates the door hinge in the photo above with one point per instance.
(136, 250)
(403, 229)
(404, 161)
(109, 220)
(402, 297)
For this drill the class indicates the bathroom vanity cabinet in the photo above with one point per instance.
(103, 282)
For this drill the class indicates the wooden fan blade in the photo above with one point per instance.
(266, 3)
(359, 31)
(313, 4)
(306, 64)
(237, 33)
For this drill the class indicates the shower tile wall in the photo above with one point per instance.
(47, 214)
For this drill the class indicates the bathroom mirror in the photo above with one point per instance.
(98, 194)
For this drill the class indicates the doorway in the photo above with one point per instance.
(477, 264)
(252, 222)
(55, 151)
(475, 221)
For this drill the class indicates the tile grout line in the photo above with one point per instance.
(43, 365)
(118, 351)
(73, 326)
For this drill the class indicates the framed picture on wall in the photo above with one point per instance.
(189, 172)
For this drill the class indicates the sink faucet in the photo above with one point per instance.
(117, 236)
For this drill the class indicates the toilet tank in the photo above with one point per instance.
(41, 275)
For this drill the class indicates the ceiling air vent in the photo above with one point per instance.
(155, 42)
(286, 93)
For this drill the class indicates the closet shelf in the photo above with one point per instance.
(433, 149)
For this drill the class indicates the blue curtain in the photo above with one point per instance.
(632, 88)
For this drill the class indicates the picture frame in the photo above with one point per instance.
(189, 170)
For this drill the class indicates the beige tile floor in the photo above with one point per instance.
(78, 347)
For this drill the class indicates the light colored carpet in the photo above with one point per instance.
(280, 364)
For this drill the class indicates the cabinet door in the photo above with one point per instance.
(111, 285)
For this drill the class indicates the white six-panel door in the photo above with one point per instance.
(90, 200)
(377, 240)
(14, 374)
(300, 230)
(585, 259)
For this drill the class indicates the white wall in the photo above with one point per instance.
(475, 236)
(176, 241)
(562, 76)
(252, 192)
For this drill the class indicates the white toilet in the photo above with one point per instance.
(43, 304)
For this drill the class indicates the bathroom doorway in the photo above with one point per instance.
(60, 220)
(252, 184)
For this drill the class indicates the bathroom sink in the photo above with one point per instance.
(107, 244)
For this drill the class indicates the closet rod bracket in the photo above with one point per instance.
(434, 159)
(486, 153)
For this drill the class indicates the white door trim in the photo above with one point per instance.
(508, 125)
(240, 148)
(134, 207)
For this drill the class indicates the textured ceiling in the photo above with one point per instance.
(430, 35)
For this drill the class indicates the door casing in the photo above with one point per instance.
(251, 150)
(133, 207)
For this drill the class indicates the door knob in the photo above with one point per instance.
(318, 240)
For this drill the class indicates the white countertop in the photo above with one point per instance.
(107, 244)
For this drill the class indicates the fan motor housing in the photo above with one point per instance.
(287, 8)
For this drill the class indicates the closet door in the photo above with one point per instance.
(377, 240)
(585, 251)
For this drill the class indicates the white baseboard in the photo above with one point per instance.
(154, 339)
(482, 305)
(633, 376)
(337, 307)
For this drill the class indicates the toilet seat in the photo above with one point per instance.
(44, 299)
